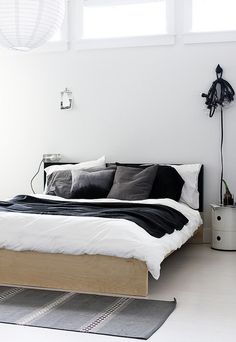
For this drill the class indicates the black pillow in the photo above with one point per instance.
(59, 183)
(167, 184)
(95, 184)
(132, 183)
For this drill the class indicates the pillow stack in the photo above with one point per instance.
(91, 180)
(59, 177)
(167, 182)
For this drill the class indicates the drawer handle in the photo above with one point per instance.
(218, 238)
(218, 218)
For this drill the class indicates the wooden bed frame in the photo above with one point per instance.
(78, 273)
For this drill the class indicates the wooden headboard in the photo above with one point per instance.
(200, 178)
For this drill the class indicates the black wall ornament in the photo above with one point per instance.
(220, 94)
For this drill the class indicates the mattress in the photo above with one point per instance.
(95, 235)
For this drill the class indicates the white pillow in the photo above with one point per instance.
(99, 163)
(189, 173)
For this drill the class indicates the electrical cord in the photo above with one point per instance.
(219, 94)
(36, 174)
(214, 99)
(221, 154)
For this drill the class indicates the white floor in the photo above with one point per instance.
(204, 284)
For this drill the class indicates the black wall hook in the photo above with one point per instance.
(219, 71)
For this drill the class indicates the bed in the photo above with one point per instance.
(98, 268)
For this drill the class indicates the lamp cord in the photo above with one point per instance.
(220, 93)
(36, 174)
(222, 154)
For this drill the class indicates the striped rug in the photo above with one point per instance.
(125, 317)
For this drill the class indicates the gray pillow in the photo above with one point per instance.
(133, 183)
(96, 184)
(59, 183)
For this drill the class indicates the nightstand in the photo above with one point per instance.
(223, 227)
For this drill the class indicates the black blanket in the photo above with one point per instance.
(156, 219)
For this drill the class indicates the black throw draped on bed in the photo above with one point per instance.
(156, 219)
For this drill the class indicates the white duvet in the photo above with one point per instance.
(92, 235)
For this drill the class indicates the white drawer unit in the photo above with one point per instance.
(223, 227)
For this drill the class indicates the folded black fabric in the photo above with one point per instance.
(167, 184)
(157, 220)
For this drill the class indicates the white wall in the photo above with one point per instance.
(137, 105)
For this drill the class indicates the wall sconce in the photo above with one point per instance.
(66, 99)
(52, 158)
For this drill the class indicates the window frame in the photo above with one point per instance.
(179, 31)
(193, 37)
(80, 43)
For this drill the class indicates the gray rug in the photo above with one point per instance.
(125, 317)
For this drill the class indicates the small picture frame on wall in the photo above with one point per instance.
(66, 99)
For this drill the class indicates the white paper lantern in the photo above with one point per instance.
(28, 24)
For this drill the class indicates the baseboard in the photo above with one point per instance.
(202, 235)
(207, 235)
(198, 236)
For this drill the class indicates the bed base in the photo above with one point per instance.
(97, 274)
(76, 273)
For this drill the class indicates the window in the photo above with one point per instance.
(91, 24)
(213, 15)
(208, 21)
(57, 37)
(111, 19)
(108, 23)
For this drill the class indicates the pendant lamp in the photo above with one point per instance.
(28, 24)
